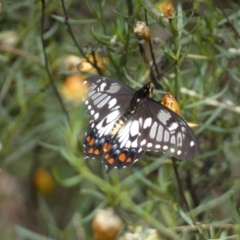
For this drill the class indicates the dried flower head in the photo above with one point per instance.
(170, 102)
(142, 31)
(85, 66)
(167, 9)
(43, 181)
(73, 89)
(106, 224)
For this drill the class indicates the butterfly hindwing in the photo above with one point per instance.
(164, 131)
(118, 157)
(110, 151)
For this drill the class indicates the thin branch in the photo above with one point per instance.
(21, 53)
(130, 7)
(47, 65)
(180, 186)
(222, 226)
(153, 56)
(228, 20)
(69, 29)
(183, 196)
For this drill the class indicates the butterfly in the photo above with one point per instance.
(125, 123)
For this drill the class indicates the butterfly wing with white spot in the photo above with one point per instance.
(162, 130)
(124, 148)
(107, 99)
(119, 152)
(106, 95)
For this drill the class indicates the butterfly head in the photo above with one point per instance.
(147, 90)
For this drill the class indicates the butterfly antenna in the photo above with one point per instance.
(168, 69)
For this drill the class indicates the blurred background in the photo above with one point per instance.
(47, 189)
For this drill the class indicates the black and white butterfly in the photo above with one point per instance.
(125, 123)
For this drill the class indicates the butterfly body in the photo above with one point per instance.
(125, 123)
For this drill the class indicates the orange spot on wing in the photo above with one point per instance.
(111, 160)
(92, 142)
(88, 139)
(107, 147)
(96, 152)
(106, 156)
(90, 150)
(129, 160)
(122, 157)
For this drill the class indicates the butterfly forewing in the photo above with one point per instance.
(106, 101)
(105, 96)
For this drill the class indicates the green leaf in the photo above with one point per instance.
(74, 21)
